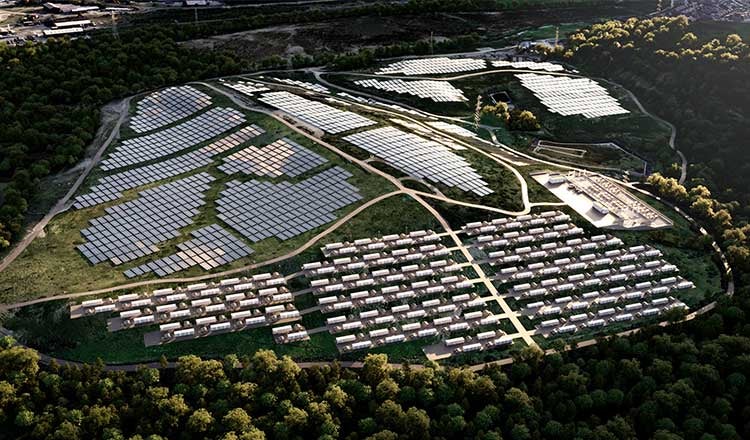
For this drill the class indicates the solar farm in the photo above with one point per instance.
(529, 65)
(211, 247)
(172, 140)
(287, 211)
(167, 106)
(111, 187)
(281, 158)
(246, 87)
(132, 230)
(433, 66)
(323, 116)
(153, 190)
(305, 85)
(259, 210)
(452, 129)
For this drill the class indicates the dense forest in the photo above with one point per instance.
(696, 81)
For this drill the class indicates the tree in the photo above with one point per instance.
(375, 368)
(237, 420)
(417, 423)
(391, 415)
(192, 369)
(67, 431)
(523, 120)
(520, 432)
(387, 389)
(25, 418)
(18, 364)
(200, 421)
(296, 418)
(499, 110)
(336, 397)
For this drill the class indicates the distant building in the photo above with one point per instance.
(71, 24)
(62, 31)
(65, 8)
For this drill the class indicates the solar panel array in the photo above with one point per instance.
(323, 116)
(132, 229)
(427, 66)
(305, 85)
(452, 129)
(203, 309)
(246, 87)
(111, 187)
(438, 91)
(282, 157)
(213, 246)
(260, 210)
(174, 139)
(167, 106)
(572, 96)
(529, 65)
(420, 157)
